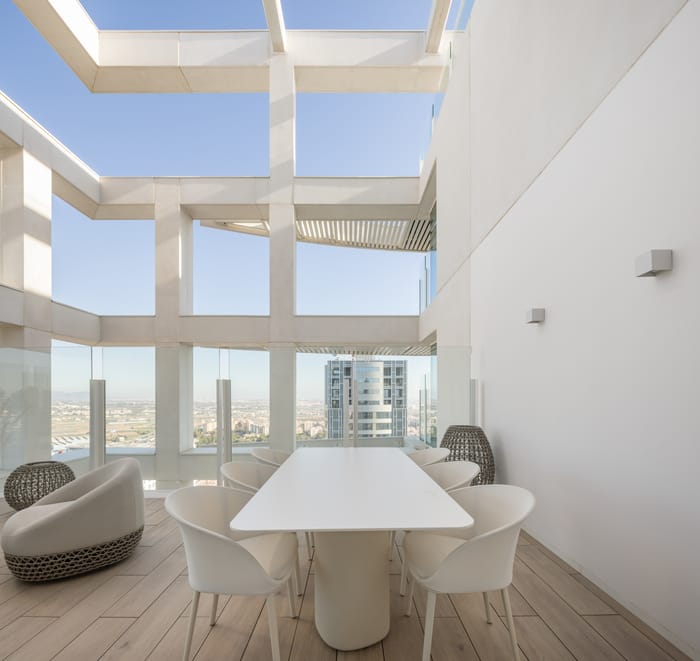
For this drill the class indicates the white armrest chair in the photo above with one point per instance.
(219, 564)
(479, 564)
(429, 456)
(91, 522)
(246, 475)
(451, 475)
(250, 476)
(270, 456)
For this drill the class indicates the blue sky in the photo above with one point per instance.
(169, 135)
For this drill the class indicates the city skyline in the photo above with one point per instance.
(71, 372)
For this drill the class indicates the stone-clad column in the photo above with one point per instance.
(282, 253)
(25, 350)
(173, 359)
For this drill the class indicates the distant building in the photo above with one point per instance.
(380, 409)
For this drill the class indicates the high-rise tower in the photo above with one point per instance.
(366, 398)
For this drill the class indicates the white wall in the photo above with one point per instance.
(538, 69)
(448, 314)
(596, 410)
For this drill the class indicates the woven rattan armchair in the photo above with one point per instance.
(469, 443)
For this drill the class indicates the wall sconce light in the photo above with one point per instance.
(652, 262)
(534, 316)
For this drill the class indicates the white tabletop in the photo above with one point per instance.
(343, 489)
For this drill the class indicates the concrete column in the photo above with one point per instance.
(282, 216)
(173, 359)
(173, 260)
(25, 233)
(173, 408)
(282, 253)
(283, 385)
(282, 272)
(282, 128)
(25, 351)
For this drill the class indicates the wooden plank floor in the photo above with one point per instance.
(139, 608)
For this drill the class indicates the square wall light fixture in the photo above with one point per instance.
(652, 262)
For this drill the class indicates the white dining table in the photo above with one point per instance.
(350, 498)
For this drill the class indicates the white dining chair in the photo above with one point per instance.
(246, 475)
(270, 456)
(482, 563)
(250, 476)
(218, 564)
(451, 475)
(429, 456)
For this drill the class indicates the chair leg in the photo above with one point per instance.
(429, 619)
(404, 577)
(290, 598)
(190, 628)
(214, 606)
(409, 605)
(511, 625)
(487, 608)
(392, 538)
(274, 634)
(298, 587)
(309, 546)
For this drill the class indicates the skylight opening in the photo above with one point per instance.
(356, 15)
(106, 267)
(375, 135)
(176, 15)
(344, 281)
(231, 272)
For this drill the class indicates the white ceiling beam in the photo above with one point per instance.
(204, 198)
(436, 25)
(253, 331)
(69, 29)
(275, 23)
(130, 61)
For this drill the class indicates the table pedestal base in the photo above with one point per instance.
(351, 588)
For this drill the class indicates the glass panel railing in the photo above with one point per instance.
(25, 407)
(427, 416)
(129, 374)
(70, 401)
(249, 374)
(250, 396)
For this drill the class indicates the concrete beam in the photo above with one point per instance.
(72, 179)
(74, 325)
(69, 29)
(436, 25)
(11, 306)
(356, 190)
(353, 61)
(122, 330)
(233, 61)
(359, 330)
(254, 331)
(275, 23)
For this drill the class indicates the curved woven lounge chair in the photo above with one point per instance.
(92, 522)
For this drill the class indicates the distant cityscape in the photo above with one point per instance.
(131, 423)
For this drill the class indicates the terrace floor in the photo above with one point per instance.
(138, 610)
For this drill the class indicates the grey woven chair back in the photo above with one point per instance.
(468, 443)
